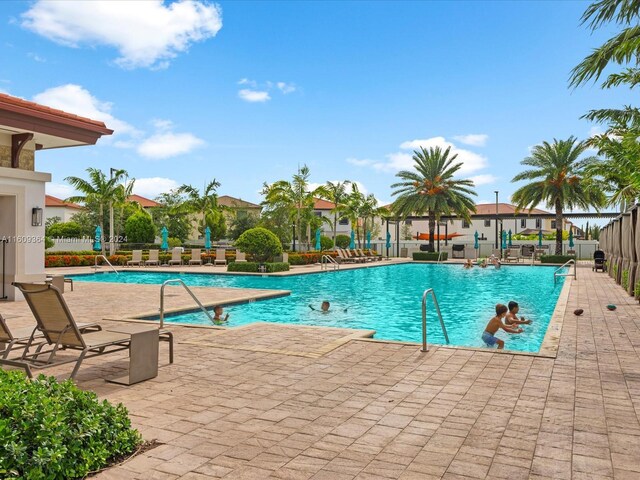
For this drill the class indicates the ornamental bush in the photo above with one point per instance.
(556, 259)
(252, 267)
(260, 243)
(343, 241)
(55, 430)
(65, 230)
(326, 243)
(430, 256)
(139, 228)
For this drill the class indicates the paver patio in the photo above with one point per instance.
(287, 406)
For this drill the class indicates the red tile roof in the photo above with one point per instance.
(51, 201)
(321, 204)
(18, 105)
(144, 202)
(503, 209)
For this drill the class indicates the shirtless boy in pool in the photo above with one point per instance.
(495, 324)
(512, 316)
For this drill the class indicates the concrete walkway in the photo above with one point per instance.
(267, 401)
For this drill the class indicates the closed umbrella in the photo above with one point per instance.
(571, 244)
(504, 239)
(476, 244)
(97, 241)
(352, 244)
(369, 240)
(388, 240)
(540, 238)
(510, 244)
(207, 238)
(165, 239)
(318, 243)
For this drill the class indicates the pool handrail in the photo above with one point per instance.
(556, 274)
(96, 266)
(195, 299)
(424, 318)
(326, 260)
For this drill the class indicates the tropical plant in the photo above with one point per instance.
(560, 179)
(260, 243)
(205, 205)
(139, 228)
(326, 243)
(336, 193)
(433, 189)
(241, 224)
(343, 241)
(103, 191)
(64, 230)
(173, 214)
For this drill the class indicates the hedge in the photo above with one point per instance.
(252, 267)
(430, 256)
(55, 430)
(120, 259)
(559, 259)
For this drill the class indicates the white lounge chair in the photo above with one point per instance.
(196, 258)
(240, 256)
(136, 258)
(220, 257)
(154, 258)
(176, 256)
(513, 254)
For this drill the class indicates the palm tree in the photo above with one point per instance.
(353, 208)
(206, 206)
(123, 192)
(99, 189)
(560, 179)
(337, 194)
(431, 188)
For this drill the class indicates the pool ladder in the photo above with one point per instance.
(326, 261)
(96, 267)
(195, 299)
(424, 318)
(557, 273)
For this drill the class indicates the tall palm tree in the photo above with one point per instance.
(100, 189)
(336, 193)
(353, 209)
(432, 189)
(123, 192)
(560, 179)
(204, 204)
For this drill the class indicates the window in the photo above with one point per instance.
(241, 214)
(523, 223)
(465, 224)
(343, 221)
(487, 223)
(317, 214)
(538, 223)
(408, 222)
(553, 224)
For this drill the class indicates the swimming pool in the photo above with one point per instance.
(386, 299)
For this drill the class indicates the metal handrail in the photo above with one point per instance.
(96, 266)
(440, 255)
(195, 299)
(326, 260)
(424, 318)
(565, 264)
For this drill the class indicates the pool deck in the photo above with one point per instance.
(289, 402)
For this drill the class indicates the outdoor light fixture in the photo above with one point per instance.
(36, 216)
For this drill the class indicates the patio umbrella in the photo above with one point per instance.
(388, 240)
(165, 239)
(97, 243)
(540, 238)
(504, 239)
(510, 244)
(571, 244)
(476, 245)
(352, 245)
(369, 240)
(318, 243)
(207, 238)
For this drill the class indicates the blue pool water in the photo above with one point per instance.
(386, 299)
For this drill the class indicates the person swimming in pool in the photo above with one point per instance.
(324, 307)
(218, 311)
(495, 324)
(512, 316)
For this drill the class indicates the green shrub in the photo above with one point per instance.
(557, 259)
(625, 279)
(174, 242)
(342, 241)
(430, 256)
(260, 243)
(326, 243)
(65, 230)
(139, 228)
(55, 430)
(636, 290)
(615, 271)
(48, 242)
(253, 267)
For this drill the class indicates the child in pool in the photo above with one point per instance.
(495, 324)
(217, 319)
(512, 316)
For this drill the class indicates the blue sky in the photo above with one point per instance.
(244, 92)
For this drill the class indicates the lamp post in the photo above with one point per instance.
(496, 192)
(111, 245)
(293, 248)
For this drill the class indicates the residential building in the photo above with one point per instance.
(57, 208)
(144, 202)
(232, 208)
(26, 128)
(322, 208)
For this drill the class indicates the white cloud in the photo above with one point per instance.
(246, 81)
(36, 58)
(473, 139)
(77, 100)
(168, 144)
(59, 190)
(249, 95)
(483, 179)
(595, 130)
(360, 162)
(146, 33)
(153, 186)
(286, 87)
(161, 124)
(471, 161)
